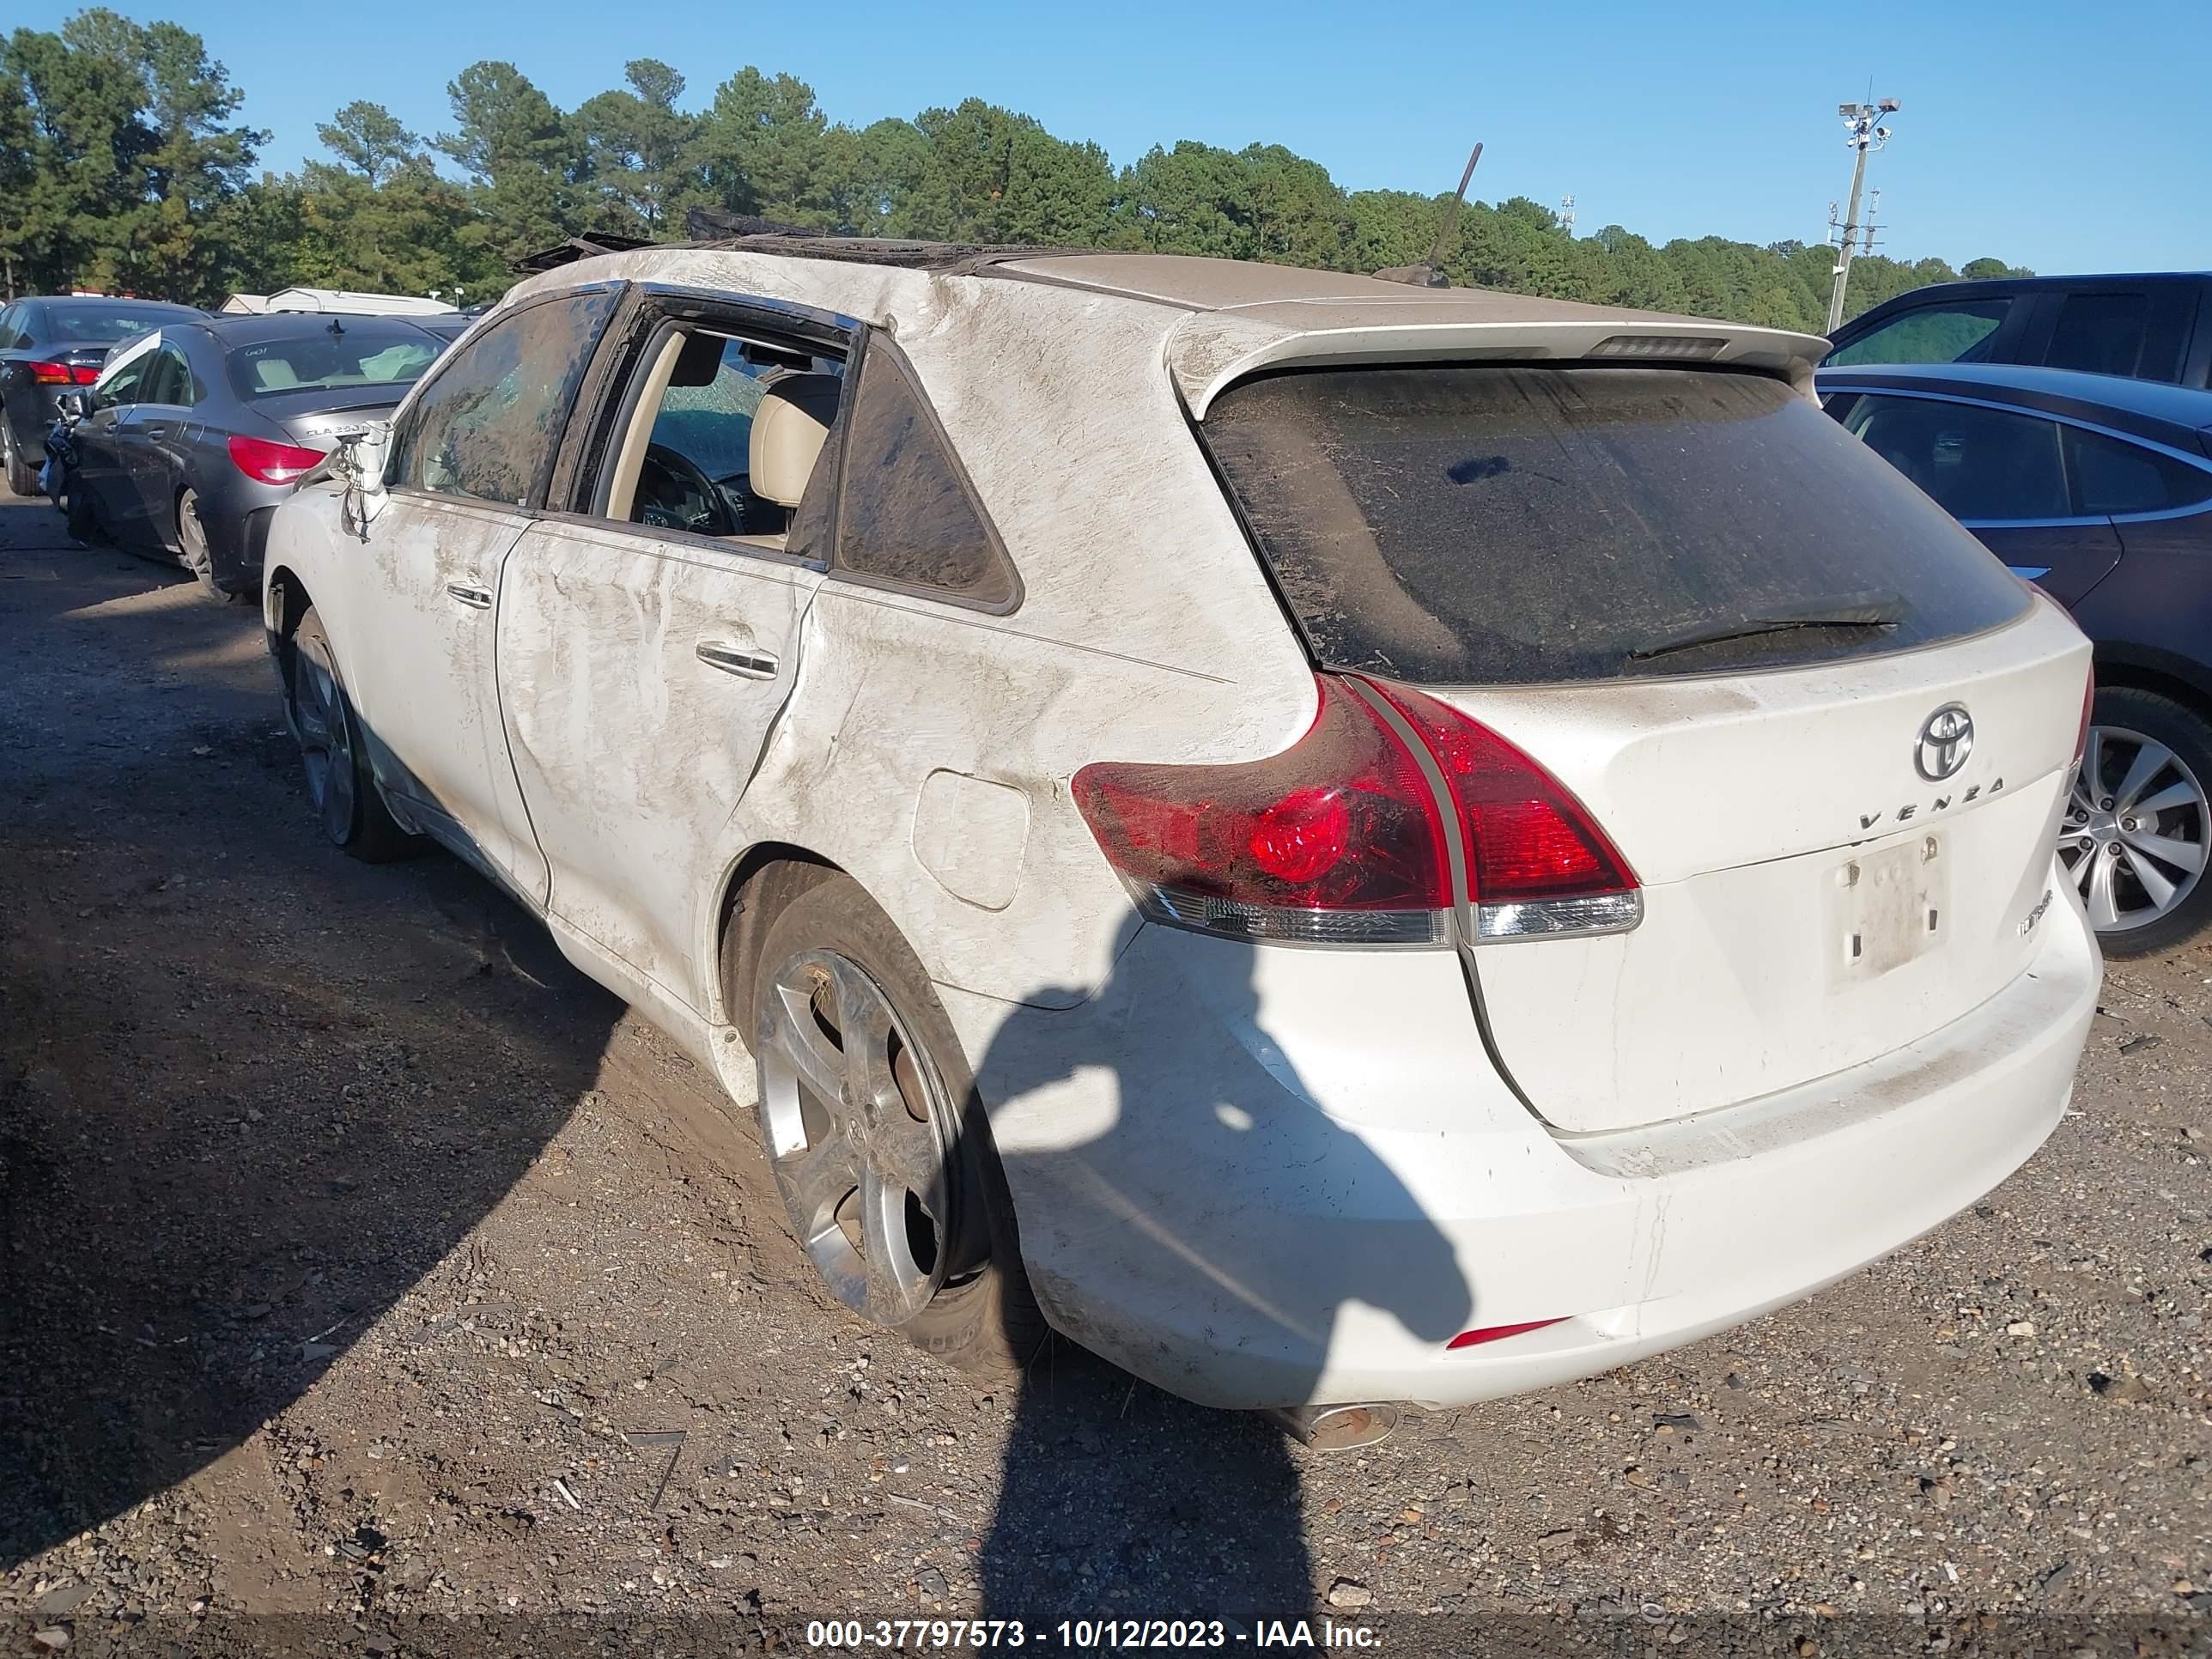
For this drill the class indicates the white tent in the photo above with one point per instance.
(339, 301)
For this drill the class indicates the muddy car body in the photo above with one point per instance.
(1308, 945)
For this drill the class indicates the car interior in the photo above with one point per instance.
(724, 436)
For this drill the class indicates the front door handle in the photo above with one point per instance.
(477, 598)
(737, 660)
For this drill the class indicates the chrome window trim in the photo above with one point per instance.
(664, 540)
(2198, 462)
(2189, 512)
(462, 503)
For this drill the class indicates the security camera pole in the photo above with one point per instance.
(1863, 133)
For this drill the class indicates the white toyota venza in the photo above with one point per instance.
(1334, 842)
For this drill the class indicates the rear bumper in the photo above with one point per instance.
(31, 413)
(237, 526)
(1249, 1217)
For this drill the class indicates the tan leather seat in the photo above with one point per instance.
(789, 429)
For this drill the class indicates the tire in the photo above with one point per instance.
(2133, 867)
(923, 1172)
(23, 476)
(192, 547)
(348, 805)
(83, 520)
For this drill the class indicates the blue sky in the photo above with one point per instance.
(2061, 135)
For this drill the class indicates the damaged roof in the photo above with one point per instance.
(1187, 280)
(1239, 316)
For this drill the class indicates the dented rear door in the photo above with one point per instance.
(640, 678)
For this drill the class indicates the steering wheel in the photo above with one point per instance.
(681, 496)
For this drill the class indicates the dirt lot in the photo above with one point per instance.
(364, 1263)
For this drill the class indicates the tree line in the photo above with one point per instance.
(123, 169)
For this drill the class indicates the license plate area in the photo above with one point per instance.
(1886, 907)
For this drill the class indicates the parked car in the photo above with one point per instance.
(50, 345)
(197, 430)
(2152, 327)
(2098, 489)
(1335, 843)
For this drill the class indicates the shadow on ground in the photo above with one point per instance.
(1218, 1205)
(251, 1092)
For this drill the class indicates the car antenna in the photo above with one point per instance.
(337, 329)
(1430, 274)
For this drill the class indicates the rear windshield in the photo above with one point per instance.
(1456, 524)
(356, 354)
(68, 326)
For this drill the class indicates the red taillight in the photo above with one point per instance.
(1341, 838)
(1338, 837)
(1527, 837)
(273, 462)
(1495, 1333)
(62, 374)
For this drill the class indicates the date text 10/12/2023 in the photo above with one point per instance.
(1080, 1635)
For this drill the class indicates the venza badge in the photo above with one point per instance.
(1946, 739)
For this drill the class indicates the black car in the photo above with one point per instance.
(195, 434)
(51, 346)
(2156, 326)
(2098, 489)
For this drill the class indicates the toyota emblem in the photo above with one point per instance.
(1947, 738)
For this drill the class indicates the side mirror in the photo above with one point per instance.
(358, 466)
(69, 406)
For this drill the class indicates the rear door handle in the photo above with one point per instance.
(477, 598)
(737, 660)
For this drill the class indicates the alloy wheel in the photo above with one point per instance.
(857, 1125)
(2135, 830)
(192, 536)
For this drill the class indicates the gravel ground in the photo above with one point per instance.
(366, 1265)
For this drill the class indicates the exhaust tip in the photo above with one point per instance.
(1337, 1428)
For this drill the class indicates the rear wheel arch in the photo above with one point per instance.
(982, 1315)
(2129, 670)
(284, 600)
(759, 887)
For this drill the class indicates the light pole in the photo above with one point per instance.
(1862, 132)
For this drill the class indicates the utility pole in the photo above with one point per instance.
(1862, 132)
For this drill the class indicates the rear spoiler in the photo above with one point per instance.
(1210, 351)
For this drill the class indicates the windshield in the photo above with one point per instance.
(362, 353)
(1457, 525)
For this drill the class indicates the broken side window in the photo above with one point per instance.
(486, 427)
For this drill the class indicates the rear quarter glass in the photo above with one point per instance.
(1497, 525)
